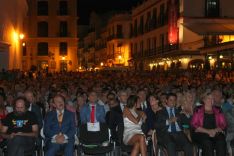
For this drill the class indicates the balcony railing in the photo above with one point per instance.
(155, 52)
(115, 36)
(99, 47)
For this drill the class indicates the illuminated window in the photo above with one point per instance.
(212, 8)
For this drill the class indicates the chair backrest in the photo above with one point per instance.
(87, 137)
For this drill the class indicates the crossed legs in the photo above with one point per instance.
(139, 145)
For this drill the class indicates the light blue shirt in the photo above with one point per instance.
(167, 122)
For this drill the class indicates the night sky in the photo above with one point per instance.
(101, 6)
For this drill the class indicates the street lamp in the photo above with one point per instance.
(63, 58)
(120, 57)
(21, 36)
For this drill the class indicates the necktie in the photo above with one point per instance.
(173, 126)
(92, 115)
(60, 118)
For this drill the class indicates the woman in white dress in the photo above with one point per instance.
(133, 120)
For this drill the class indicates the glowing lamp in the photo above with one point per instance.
(21, 36)
(15, 36)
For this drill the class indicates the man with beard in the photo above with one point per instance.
(20, 128)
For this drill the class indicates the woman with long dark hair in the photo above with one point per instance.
(133, 120)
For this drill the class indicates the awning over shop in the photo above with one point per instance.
(204, 26)
(220, 47)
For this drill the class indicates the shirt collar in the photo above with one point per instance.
(59, 111)
(168, 108)
(122, 105)
(30, 107)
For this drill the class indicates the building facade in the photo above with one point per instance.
(118, 40)
(182, 34)
(11, 33)
(214, 21)
(159, 40)
(107, 44)
(166, 34)
(51, 40)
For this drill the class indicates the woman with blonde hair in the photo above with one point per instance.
(208, 124)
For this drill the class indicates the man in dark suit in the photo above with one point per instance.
(141, 93)
(33, 107)
(92, 111)
(59, 129)
(169, 129)
(115, 116)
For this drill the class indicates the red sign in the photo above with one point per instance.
(172, 22)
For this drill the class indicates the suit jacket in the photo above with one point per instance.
(198, 117)
(114, 118)
(51, 126)
(37, 111)
(161, 117)
(85, 113)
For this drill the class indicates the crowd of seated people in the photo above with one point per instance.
(177, 109)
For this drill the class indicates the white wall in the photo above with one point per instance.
(227, 8)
